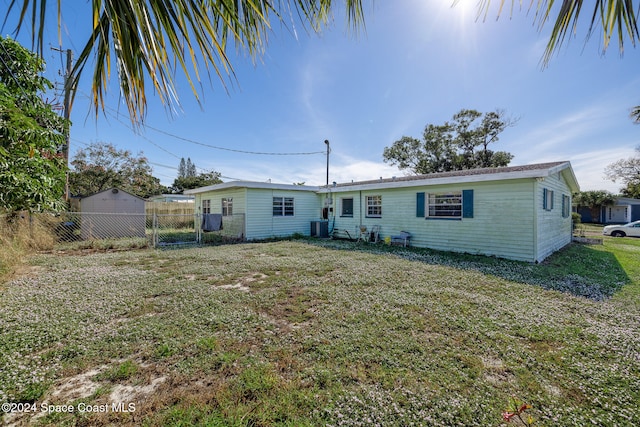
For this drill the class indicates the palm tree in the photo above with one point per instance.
(613, 17)
(151, 40)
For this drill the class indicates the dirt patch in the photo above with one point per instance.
(129, 393)
(77, 387)
(243, 283)
(69, 390)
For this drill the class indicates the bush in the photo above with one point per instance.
(576, 218)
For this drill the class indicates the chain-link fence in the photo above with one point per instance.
(152, 229)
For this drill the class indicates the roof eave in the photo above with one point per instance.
(462, 179)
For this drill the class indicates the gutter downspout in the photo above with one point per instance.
(360, 201)
(536, 188)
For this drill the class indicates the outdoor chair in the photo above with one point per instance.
(402, 238)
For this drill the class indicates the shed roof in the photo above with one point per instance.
(111, 190)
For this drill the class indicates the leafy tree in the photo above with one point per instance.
(32, 174)
(200, 180)
(594, 200)
(455, 145)
(101, 166)
(152, 41)
(627, 171)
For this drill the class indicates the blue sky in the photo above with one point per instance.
(418, 63)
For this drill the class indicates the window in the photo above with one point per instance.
(444, 205)
(347, 207)
(206, 206)
(283, 206)
(566, 206)
(374, 206)
(227, 206)
(547, 199)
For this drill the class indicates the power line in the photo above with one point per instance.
(114, 114)
(231, 149)
(142, 136)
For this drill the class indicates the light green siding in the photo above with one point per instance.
(262, 224)
(257, 206)
(502, 223)
(239, 196)
(553, 230)
(499, 212)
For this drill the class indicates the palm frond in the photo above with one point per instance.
(615, 18)
(156, 40)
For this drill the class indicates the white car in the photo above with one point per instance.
(631, 229)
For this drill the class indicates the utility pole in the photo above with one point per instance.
(67, 114)
(326, 141)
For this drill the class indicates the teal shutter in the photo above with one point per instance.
(420, 205)
(544, 199)
(467, 203)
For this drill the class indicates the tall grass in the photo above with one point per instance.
(20, 236)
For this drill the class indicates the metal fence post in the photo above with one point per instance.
(154, 242)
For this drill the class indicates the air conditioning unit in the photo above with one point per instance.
(320, 229)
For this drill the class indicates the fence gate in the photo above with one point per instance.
(175, 229)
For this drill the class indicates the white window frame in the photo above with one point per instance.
(444, 205)
(566, 206)
(342, 212)
(285, 206)
(227, 206)
(206, 206)
(547, 203)
(374, 206)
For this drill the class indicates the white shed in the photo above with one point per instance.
(112, 213)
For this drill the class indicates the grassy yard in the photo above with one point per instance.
(297, 333)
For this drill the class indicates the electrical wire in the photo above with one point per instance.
(262, 153)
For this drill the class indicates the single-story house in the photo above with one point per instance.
(266, 209)
(112, 213)
(517, 212)
(624, 210)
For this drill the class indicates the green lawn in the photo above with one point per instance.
(307, 332)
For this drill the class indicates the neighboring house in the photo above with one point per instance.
(112, 213)
(519, 212)
(171, 198)
(623, 211)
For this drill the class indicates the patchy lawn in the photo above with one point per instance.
(322, 333)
